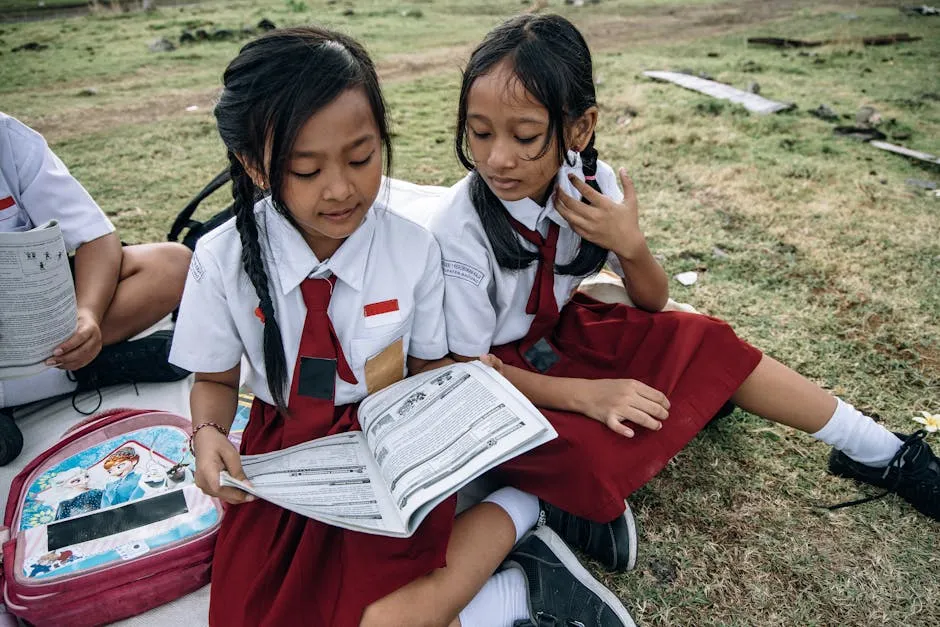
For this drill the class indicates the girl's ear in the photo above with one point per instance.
(256, 175)
(580, 130)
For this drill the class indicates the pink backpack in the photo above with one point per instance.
(107, 523)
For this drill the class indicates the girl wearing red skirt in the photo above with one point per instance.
(625, 388)
(325, 295)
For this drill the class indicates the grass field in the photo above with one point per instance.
(829, 261)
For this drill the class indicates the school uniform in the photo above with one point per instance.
(541, 324)
(348, 323)
(35, 187)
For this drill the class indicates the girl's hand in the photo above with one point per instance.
(215, 453)
(611, 225)
(83, 346)
(493, 362)
(616, 401)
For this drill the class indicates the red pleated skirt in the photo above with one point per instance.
(696, 361)
(275, 567)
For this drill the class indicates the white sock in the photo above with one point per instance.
(858, 436)
(502, 600)
(22, 390)
(521, 506)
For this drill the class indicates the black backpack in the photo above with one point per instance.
(195, 228)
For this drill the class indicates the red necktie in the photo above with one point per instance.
(542, 301)
(319, 358)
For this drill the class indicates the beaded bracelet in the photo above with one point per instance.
(215, 426)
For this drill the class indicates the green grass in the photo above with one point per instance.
(831, 265)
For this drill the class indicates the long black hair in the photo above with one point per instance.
(271, 89)
(552, 62)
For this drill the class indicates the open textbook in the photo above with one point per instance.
(37, 307)
(422, 439)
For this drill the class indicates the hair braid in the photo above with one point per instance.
(243, 192)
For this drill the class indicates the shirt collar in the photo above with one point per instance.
(531, 214)
(295, 261)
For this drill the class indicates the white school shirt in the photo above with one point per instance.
(35, 187)
(387, 258)
(484, 304)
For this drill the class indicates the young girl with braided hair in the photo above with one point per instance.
(625, 388)
(294, 278)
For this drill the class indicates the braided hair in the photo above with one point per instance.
(552, 62)
(274, 85)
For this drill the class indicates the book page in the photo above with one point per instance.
(37, 311)
(432, 433)
(329, 479)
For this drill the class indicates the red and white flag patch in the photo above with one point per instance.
(382, 313)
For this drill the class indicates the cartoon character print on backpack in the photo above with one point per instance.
(121, 470)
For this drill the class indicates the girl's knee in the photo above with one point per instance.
(178, 259)
(168, 263)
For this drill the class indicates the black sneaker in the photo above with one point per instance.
(914, 474)
(612, 544)
(11, 438)
(138, 361)
(561, 592)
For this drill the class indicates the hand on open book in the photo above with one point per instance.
(493, 362)
(215, 453)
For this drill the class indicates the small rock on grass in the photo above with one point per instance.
(823, 112)
(222, 34)
(161, 45)
(87, 91)
(31, 46)
(867, 116)
(687, 278)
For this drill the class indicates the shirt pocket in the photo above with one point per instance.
(381, 358)
(11, 218)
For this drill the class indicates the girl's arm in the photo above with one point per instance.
(615, 226)
(214, 398)
(417, 366)
(97, 269)
(610, 401)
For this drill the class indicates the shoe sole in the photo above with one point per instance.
(631, 528)
(570, 561)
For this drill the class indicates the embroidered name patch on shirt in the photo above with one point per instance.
(196, 269)
(381, 313)
(463, 271)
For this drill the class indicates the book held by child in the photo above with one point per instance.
(422, 439)
(38, 310)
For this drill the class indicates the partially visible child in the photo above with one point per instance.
(287, 284)
(626, 389)
(120, 291)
